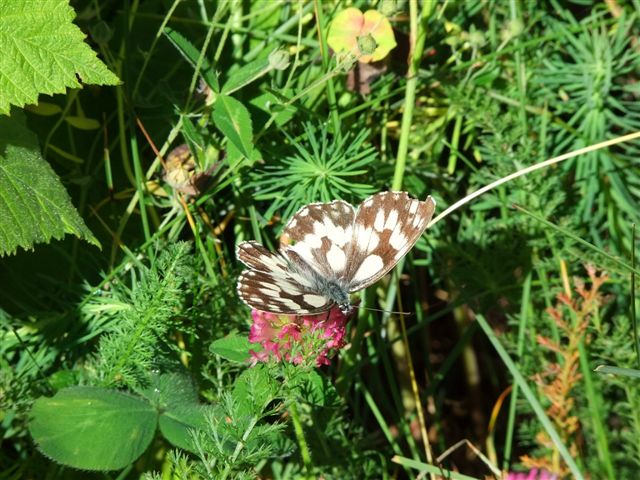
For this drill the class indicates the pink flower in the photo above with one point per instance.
(532, 475)
(297, 338)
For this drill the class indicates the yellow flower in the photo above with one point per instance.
(367, 35)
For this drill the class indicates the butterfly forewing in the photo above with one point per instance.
(272, 284)
(386, 226)
(319, 234)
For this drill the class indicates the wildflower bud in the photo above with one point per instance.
(279, 59)
(388, 7)
(367, 44)
(512, 29)
(476, 39)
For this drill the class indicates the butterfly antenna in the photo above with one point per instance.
(387, 311)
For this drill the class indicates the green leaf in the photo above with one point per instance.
(82, 123)
(315, 389)
(233, 120)
(192, 54)
(176, 424)
(175, 395)
(43, 52)
(233, 347)
(246, 74)
(269, 103)
(253, 390)
(625, 372)
(34, 206)
(93, 428)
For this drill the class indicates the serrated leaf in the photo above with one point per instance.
(176, 424)
(246, 74)
(315, 389)
(93, 428)
(253, 390)
(34, 206)
(233, 120)
(43, 52)
(176, 397)
(269, 103)
(233, 347)
(192, 54)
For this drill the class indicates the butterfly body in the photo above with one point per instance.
(329, 250)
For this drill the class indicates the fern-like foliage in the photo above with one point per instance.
(323, 168)
(136, 341)
(592, 72)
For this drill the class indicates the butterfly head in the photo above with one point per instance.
(346, 308)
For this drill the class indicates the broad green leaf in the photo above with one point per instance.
(246, 74)
(271, 104)
(192, 54)
(34, 206)
(176, 397)
(176, 424)
(43, 52)
(93, 428)
(236, 159)
(233, 347)
(233, 120)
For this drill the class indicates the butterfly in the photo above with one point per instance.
(330, 250)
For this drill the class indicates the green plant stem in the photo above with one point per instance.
(455, 140)
(531, 398)
(520, 73)
(302, 442)
(240, 445)
(594, 402)
(285, 27)
(513, 401)
(634, 321)
(575, 237)
(418, 34)
(140, 187)
(147, 57)
(324, 51)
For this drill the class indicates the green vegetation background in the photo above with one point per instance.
(508, 321)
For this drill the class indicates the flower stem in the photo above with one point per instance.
(331, 92)
(417, 37)
(302, 442)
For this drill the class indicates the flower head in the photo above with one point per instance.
(533, 474)
(368, 36)
(297, 339)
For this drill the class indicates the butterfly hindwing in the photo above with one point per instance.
(263, 291)
(386, 226)
(272, 284)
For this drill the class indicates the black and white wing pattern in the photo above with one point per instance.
(271, 285)
(328, 250)
(386, 227)
(318, 237)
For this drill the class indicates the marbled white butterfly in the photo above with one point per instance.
(329, 250)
